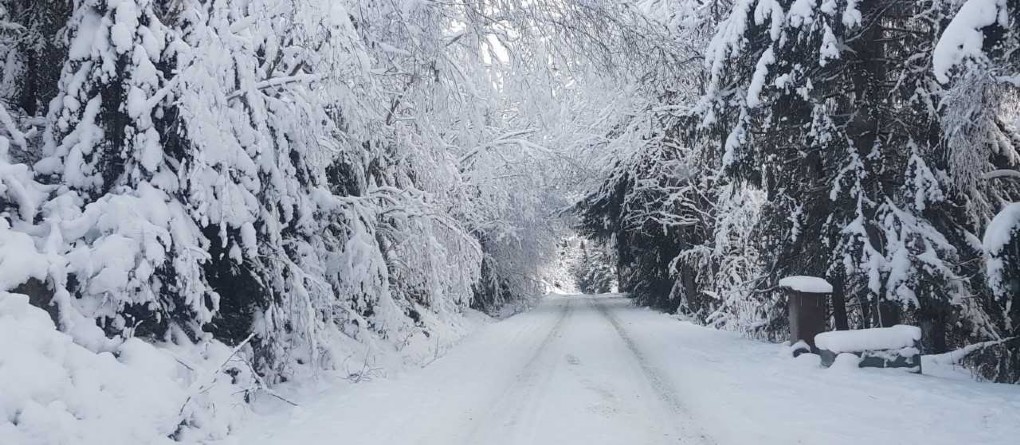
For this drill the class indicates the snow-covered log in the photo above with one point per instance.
(893, 347)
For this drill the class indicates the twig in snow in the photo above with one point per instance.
(264, 387)
(207, 385)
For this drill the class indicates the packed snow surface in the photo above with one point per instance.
(597, 370)
(895, 337)
(813, 285)
(54, 391)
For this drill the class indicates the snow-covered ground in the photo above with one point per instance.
(54, 391)
(596, 370)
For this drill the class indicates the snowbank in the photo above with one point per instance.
(19, 260)
(742, 392)
(813, 285)
(896, 337)
(846, 362)
(53, 391)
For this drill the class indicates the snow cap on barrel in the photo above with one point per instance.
(806, 284)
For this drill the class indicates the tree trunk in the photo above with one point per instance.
(888, 313)
(839, 316)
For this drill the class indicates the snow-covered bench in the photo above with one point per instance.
(894, 347)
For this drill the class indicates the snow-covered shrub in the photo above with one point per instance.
(55, 391)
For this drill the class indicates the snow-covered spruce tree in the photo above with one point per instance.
(976, 59)
(643, 252)
(829, 107)
(731, 258)
(133, 256)
(188, 147)
(30, 51)
(20, 194)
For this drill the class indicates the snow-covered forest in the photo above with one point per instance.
(204, 200)
(870, 142)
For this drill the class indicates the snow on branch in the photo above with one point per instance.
(276, 82)
(17, 136)
(1000, 174)
(1003, 231)
(964, 37)
(956, 356)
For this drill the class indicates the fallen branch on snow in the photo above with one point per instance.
(954, 357)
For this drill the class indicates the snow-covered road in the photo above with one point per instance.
(596, 370)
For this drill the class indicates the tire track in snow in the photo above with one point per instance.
(498, 421)
(663, 389)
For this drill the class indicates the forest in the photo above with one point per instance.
(231, 195)
(873, 143)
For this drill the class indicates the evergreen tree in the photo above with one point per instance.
(31, 48)
(134, 256)
(595, 271)
(977, 62)
(836, 117)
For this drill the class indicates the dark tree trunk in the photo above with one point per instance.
(865, 311)
(933, 328)
(888, 313)
(839, 316)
